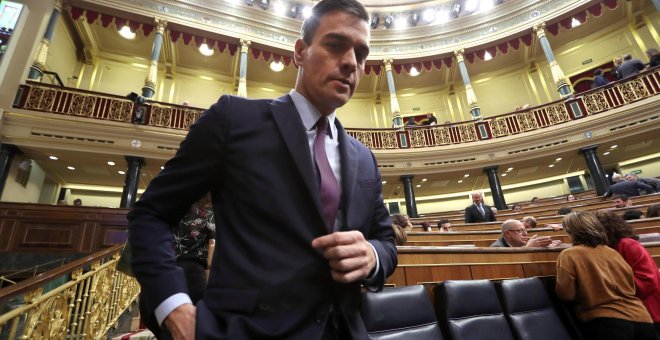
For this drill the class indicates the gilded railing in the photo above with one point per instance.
(86, 306)
(73, 102)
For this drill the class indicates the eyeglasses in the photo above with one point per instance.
(520, 231)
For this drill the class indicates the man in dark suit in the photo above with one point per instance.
(478, 211)
(628, 188)
(654, 183)
(297, 233)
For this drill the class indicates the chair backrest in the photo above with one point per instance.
(471, 310)
(400, 313)
(530, 311)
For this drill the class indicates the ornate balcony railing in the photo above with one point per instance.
(73, 102)
(86, 306)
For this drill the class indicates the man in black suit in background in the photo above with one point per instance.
(478, 211)
(300, 219)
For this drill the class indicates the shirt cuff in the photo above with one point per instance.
(377, 268)
(171, 303)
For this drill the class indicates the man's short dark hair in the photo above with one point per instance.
(622, 197)
(599, 71)
(324, 7)
(627, 57)
(442, 221)
(564, 211)
(632, 215)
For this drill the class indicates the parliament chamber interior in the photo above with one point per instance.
(496, 97)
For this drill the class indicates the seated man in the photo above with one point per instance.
(632, 215)
(529, 222)
(621, 201)
(655, 183)
(516, 208)
(564, 211)
(444, 225)
(514, 234)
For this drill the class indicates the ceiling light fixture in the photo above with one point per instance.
(70, 167)
(53, 158)
(419, 185)
(279, 8)
(614, 146)
(111, 163)
(127, 33)
(429, 15)
(413, 19)
(384, 182)
(471, 5)
(551, 166)
(276, 66)
(606, 153)
(485, 5)
(205, 50)
(466, 175)
(401, 22)
(162, 167)
(504, 174)
(442, 16)
(509, 169)
(460, 181)
(307, 12)
(575, 23)
(424, 179)
(121, 172)
(558, 159)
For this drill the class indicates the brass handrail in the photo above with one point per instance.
(86, 306)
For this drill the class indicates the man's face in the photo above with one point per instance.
(445, 227)
(332, 64)
(476, 198)
(517, 235)
(525, 224)
(630, 178)
(619, 203)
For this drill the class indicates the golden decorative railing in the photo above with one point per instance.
(73, 102)
(86, 306)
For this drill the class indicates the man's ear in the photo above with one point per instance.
(298, 51)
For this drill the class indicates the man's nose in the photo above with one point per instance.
(349, 60)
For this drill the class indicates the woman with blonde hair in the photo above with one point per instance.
(596, 279)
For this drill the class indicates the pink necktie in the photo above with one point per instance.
(329, 188)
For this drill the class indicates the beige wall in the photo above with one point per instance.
(15, 192)
(650, 166)
(62, 57)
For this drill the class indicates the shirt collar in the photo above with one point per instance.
(309, 113)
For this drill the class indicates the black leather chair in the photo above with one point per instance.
(471, 310)
(400, 313)
(531, 312)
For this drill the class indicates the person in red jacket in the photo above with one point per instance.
(622, 238)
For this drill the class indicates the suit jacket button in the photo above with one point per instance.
(265, 307)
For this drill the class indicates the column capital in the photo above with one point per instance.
(459, 55)
(589, 149)
(388, 64)
(539, 30)
(134, 160)
(492, 168)
(58, 5)
(245, 45)
(161, 24)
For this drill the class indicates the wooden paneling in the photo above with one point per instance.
(65, 229)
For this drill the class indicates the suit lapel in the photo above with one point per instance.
(291, 129)
(349, 168)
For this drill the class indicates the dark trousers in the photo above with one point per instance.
(617, 329)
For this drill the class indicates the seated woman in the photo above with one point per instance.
(622, 238)
(596, 279)
(401, 224)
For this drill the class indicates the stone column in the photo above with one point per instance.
(595, 169)
(558, 76)
(411, 205)
(149, 87)
(495, 187)
(7, 153)
(242, 76)
(36, 70)
(475, 110)
(128, 196)
(394, 102)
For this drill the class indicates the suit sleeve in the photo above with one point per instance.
(468, 215)
(381, 236)
(184, 179)
(643, 186)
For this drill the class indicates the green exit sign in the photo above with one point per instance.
(635, 172)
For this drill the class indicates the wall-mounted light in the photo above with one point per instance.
(307, 12)
(127, 33)
(206, 50)
(414, 72)
(487, 56)
(429, 15)
(413, 19)
(279, 8)
(374, 21)
(276, 66)
(389, 20)
(575, 23)
(293, 11)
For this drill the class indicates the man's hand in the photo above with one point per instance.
(539, 241)
(181, 322)
(350, 256)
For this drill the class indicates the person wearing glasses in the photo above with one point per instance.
(514, 234)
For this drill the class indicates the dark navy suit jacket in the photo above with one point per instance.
(266, 279)
(473, 215)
